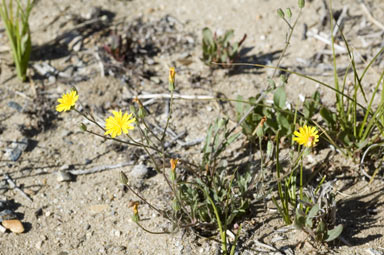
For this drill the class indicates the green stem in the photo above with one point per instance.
(151, 232)
(291, 28)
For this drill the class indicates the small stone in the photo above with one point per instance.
(76, 43)
(14, 225)
(13, 154)
(44, 69)
(2, 229)
(64, 167)
(7, 215)
(155, 79)
(15, 106)
(92, 13)
(119, 249)
(39, 244)
(97, 208)
(48, 213)
(51, 79)
(63, 176)
(139, 171)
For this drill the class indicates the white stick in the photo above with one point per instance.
(175, 96)
(370, 17)
(327, 41)
(100, 168)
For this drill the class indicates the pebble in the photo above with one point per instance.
(97, 208)
(45, 69)
(15, 153)
(39, 244)
(139, 171)
(7, 215)
(63, 176)
(14, 225)
(15, 106)
(119, 249)
(155, 79)
(92, 13)
(77, 40)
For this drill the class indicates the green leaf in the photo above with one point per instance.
(299, 218)
(334, 233)
(25, 43)
(328, 116)
(283, 122)
(279, 98)
(228, 36)
(270, 146)
(208, 37)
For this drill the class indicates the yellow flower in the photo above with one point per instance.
(118, 123)
(67, 101)
(306, 136)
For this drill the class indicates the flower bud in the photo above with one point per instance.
(173, 169)
(123, 178)
(135, 216)
(171, 78)
(83, 127)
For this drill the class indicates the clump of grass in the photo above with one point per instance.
(16, 22)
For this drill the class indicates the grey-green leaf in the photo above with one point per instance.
(312, 213)
(334, 233)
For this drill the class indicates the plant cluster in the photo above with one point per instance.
(16, 22)
(219, 49)
(212, 195)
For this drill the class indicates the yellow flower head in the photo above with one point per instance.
(306, 136)
(172, 74)
(67, 101)
(118, 123)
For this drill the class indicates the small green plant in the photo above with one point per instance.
(209, 199)
(219, 49)
(279, 118)
(218, 194)
(318, 216)
(15, 19)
